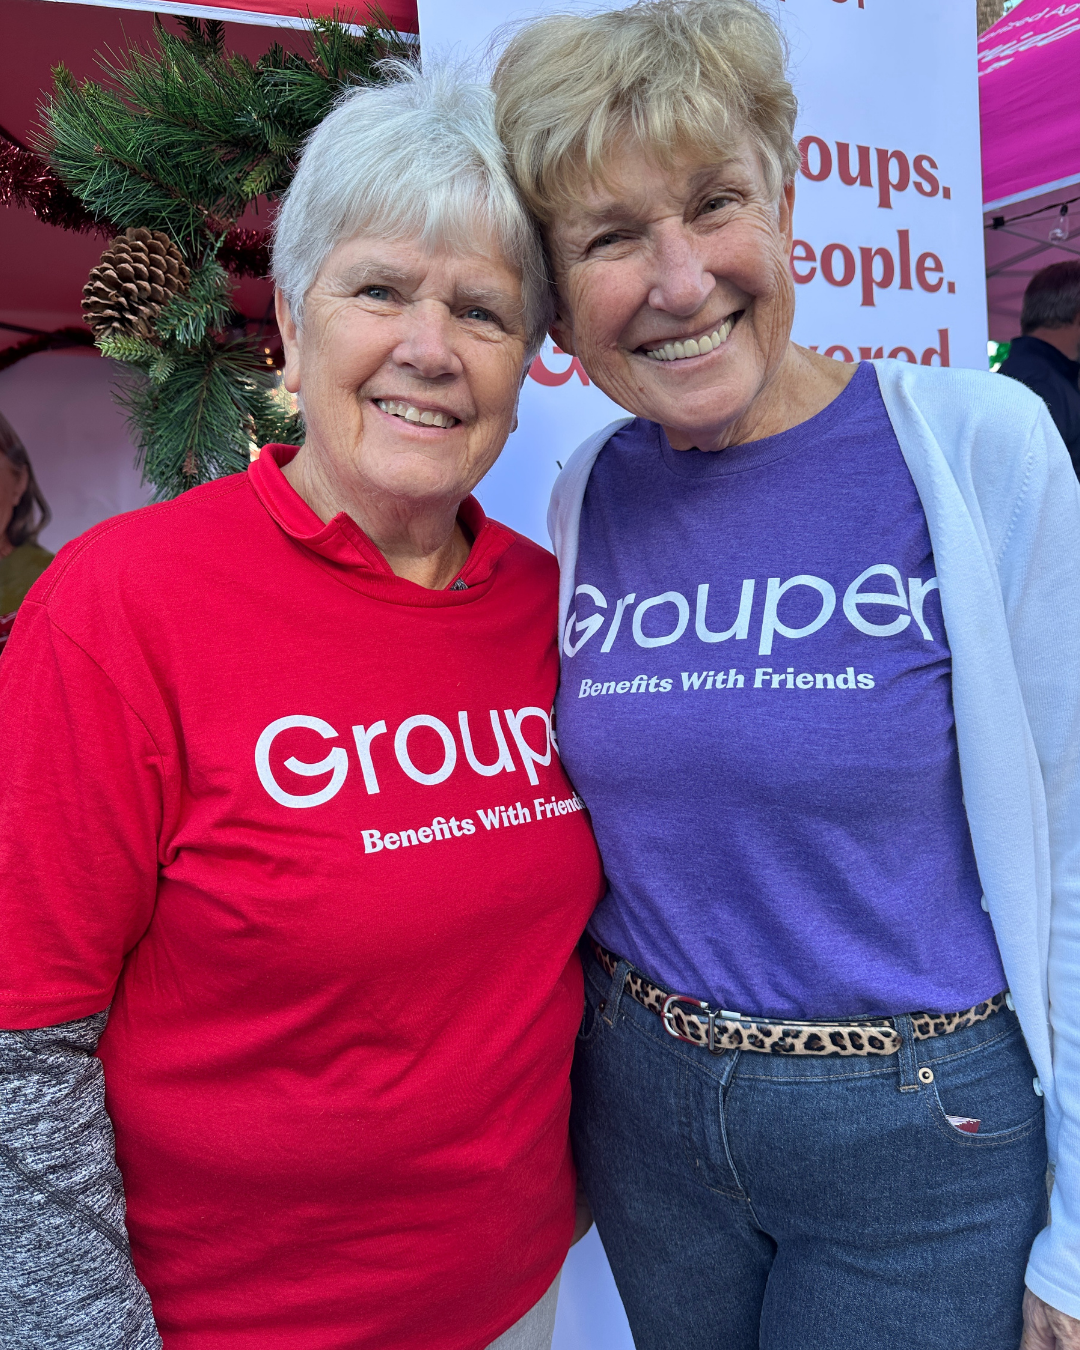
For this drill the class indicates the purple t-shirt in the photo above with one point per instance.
(756, 706)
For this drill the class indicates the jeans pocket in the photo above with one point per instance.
(985, 1096)
(591, 1019)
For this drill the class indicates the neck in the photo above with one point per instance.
(421, 541)
(802, 384)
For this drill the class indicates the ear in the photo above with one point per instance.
(290, 341)
(562, 333)
(787, 214)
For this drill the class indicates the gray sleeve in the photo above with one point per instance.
(66, 1277)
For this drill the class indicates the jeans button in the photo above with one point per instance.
(1037, 1086)
(926, 1075)
(1009, 1002)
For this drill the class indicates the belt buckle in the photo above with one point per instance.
(666, 1018)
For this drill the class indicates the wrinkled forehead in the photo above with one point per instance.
(622, 168)
(637, 182)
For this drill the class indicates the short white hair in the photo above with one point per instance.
(415, 158)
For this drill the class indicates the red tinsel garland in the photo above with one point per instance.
(27, 180)
(246, 253)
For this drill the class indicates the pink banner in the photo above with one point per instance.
(1028, 65)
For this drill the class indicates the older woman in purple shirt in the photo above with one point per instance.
(819, 647)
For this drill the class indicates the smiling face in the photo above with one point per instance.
(408, 364)
(676, 295)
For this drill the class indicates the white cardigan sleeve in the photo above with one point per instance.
(1039, 567)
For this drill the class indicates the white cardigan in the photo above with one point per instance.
(1002, 504)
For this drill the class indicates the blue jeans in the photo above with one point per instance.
(759, 1202)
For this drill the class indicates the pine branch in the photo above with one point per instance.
(132, 350)
(204, 307)
(107, 155)
(210, 40)
(198, 424)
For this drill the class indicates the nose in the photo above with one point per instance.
(680, 284)
(426, 346)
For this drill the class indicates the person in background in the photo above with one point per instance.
(291, 877)
(24, 513)
(820, 692)
(1046, 357)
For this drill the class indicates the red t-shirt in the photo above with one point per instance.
(300, 821)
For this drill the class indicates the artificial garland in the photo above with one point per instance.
(165, 156)
(27, 180)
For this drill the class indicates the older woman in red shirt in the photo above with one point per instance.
(282, 822)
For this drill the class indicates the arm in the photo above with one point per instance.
(66, 1279)
(1039, 567)
(80, 812)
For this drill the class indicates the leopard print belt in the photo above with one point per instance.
(722, 1030)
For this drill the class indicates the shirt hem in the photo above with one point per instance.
(1052, 1294)
(29, 1014)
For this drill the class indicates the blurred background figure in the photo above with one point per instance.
(1045, 357)
(24, 513)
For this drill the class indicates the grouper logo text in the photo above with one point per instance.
(422, 747)
(660, 620)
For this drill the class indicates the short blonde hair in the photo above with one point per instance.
(670, 74)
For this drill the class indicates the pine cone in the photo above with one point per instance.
(139, 272)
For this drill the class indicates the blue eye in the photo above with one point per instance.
(480, 315)
(376, 292)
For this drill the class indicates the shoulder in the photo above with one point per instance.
(136, 576)
(156, 539)
(569, 490)
(528, 559)
(982, 423)
(952, 394)
(992, 434)
(585, 456)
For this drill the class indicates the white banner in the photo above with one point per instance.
(888, 262)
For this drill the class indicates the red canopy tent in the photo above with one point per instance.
(60, 402)
(43, 268)
(1030, 117)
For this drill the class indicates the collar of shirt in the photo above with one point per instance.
(1033, 346)
(354, 558)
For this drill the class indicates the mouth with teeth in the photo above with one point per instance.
(408, 412)
(688, 347)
